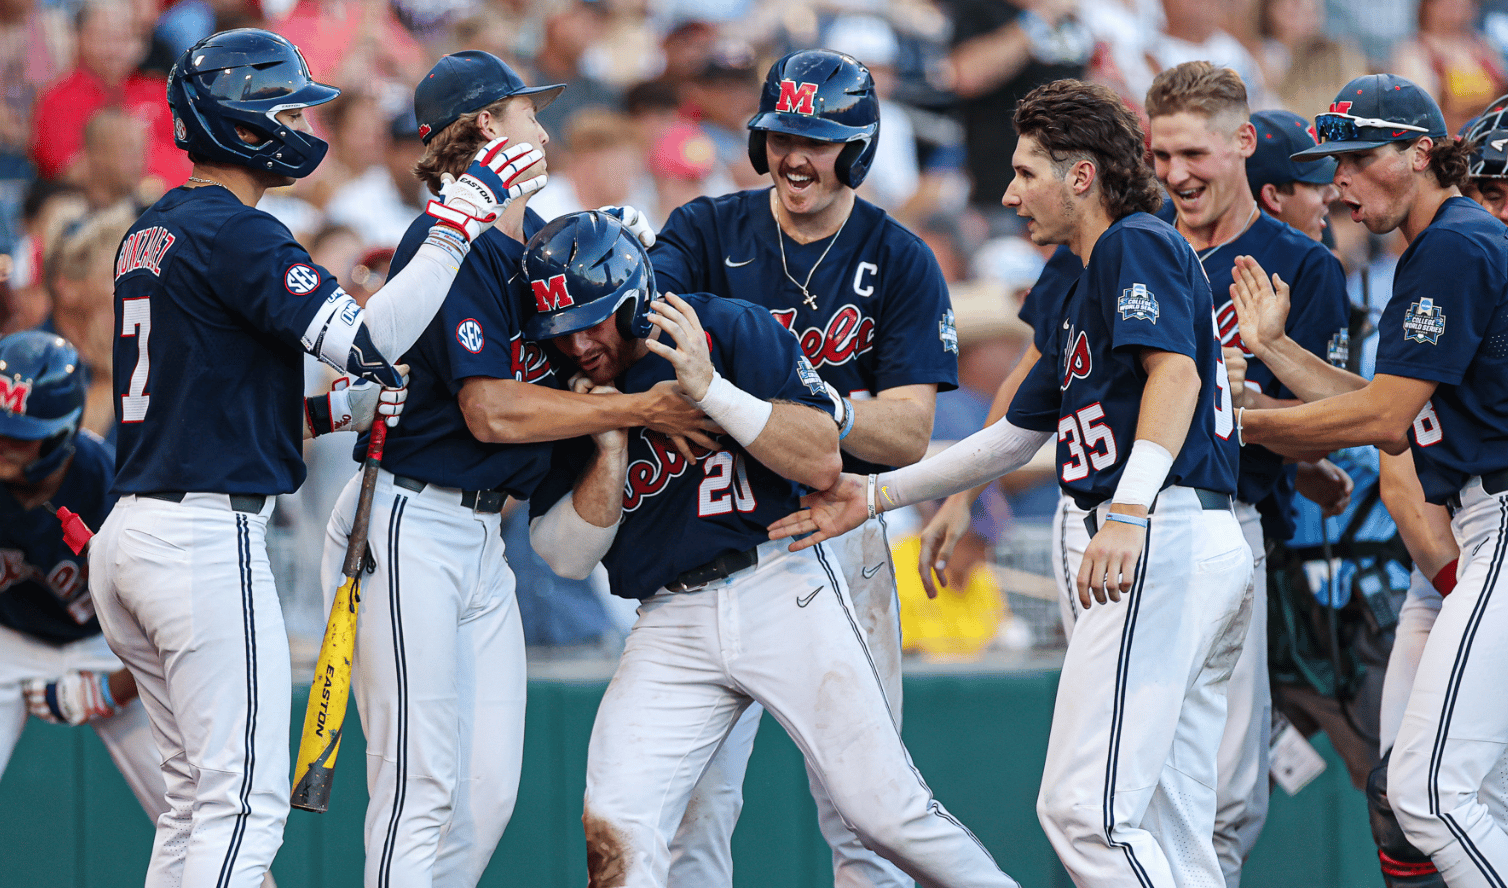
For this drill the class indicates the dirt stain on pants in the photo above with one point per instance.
(606, 854)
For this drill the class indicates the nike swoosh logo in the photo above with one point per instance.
(871, 571)
(1399, 133)
(803, 602)
(728, 261)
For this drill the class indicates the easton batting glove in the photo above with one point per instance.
(75, 698)
(636, 222)
(473, 202)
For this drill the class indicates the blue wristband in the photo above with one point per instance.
(847, 419)
(104, 689)
(1127, 519)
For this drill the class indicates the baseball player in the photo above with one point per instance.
(1201, 138)
(1436, 390)
(214, 303)
(439, 672)
(54, 662)
(1144, 426)
(869, 305)
(727, 617)
(1487, 181)
(1297, 193)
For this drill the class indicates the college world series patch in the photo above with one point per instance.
(947, 331)
(1138, 302)
(808, 375)
(1425, 322)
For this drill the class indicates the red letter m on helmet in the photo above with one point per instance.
(13, 393)
(797, 97)
(550, 295)
(1340, 107)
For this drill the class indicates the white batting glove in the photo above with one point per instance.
(366, 401)
(473, 202)
(75, 698)
(636, 222)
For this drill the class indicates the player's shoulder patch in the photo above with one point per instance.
(301, 279)
(1138, 303)
(470, 336)
(947, 331)
(1424, 322)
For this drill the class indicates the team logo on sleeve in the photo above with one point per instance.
(797, 97)
(1338, 351)
(13, 394)
(1078, 361)
(1138, 303)
(1425, 322)
(948, 332)
(300, 279)
(469, 335)
(809, 377)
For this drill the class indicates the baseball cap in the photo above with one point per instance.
(1280, 135)
(468, 81)
(1375, 110)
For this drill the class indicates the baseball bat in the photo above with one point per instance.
(331, 687)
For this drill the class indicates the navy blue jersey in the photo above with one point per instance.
(212, 298)
(44, 588)
(1318, 319)
(678, 516)
(1448, 322)
(882, 317)
(1042, 309)
(477, 332)
(1143, 289)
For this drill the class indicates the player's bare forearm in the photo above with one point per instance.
(894, 428)
(1378, 414)
(598, 492)
(1306, 374)
(800, 443)
(1168, 400)
(506, 411)
(1424, 526)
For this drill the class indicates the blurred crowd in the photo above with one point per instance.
(658, 95)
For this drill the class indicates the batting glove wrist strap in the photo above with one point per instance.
(447, 236)
(73, 699)
(317, 415)
(1445, 580)
(1146, 469)
(458, 220)
(739, 413)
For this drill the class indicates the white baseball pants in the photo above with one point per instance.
(1454, 732)
(701, 854)
(185, 595)
(439, 679)
(1128, 791)
(785, 634)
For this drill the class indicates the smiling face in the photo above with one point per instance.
(805, 172)
(1040, 195)
(1305, 207)
(1202, 162)
(1378, 185)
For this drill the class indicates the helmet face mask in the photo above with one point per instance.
(244, 78)
(1489, 159)
(42, 386)
(823, 95)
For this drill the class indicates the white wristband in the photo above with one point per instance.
(1146, 469)
(739, 413)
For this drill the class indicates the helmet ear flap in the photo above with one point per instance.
(757, 155)
(852, 165)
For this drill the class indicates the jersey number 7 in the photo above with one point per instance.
(136, 322)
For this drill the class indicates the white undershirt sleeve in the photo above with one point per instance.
(983, 456)
(569, 543)
(399, 312)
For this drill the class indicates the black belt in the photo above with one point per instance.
(721, 567)
(240, 502)
(489, 501)
(1209, 500)
(1493, 483)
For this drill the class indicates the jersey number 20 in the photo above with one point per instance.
(726, 486)
(136, 321)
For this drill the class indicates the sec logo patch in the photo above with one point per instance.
(469, 335)
(300, 279)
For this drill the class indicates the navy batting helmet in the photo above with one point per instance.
(42, 385)
(822, 95)
(244, 78)
(583, 268)
(1490, 133)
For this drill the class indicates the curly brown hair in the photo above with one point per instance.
(1450, 161)
(452, 148)
(1072, 120)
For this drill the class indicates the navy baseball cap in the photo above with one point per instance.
(468, 81)
(1280, 135)
(1372, 111)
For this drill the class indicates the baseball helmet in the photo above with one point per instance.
(1490, 133)
(244, 78)
(42, 383)
(822, 95)
(583, 268)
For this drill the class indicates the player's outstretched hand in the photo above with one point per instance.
(369, 400)
(636, 222)
(939, 538)
(73, 699)
(827, 514)
(665, 410)
(1326, 485)
(1261, 304)
(689, 357)
(1109, 566)
(497, 175)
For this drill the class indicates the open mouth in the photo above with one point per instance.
(1355, 208)
(1189, 195)
(798, 182)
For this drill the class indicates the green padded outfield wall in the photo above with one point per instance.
(67, 819)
